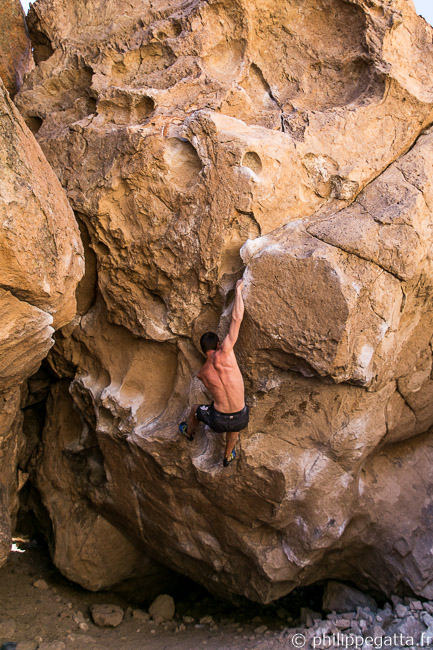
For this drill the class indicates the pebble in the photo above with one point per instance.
(162, 608)
(416, 605)
(106, 615)
(206, 620)
(401, 610)
(182, 627)
(41, 584)
(80, 621)
(140, 615)
(427, 619)
(342, 623)
(261, 629)
(188, 619)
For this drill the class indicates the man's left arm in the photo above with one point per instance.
(237, 316)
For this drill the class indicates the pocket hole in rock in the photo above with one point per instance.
(252, 161)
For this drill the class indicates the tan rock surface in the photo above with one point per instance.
(40, 265)
(85, 546)
(286, 141)
(15, 48)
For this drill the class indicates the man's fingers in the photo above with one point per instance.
(239, 284)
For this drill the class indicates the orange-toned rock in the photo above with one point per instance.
(15, 48)
(286, 142)
(40, 266)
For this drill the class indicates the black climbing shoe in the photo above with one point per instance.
(183, 429)
(230, 459)
(9, 646)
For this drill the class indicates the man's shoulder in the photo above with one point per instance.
(223, 356)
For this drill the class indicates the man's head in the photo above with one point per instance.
(209, 341)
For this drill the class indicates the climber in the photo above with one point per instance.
(220, 374)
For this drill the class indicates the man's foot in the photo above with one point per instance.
(230, 459)
(183, 429)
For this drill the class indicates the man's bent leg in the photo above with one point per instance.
(231, 437)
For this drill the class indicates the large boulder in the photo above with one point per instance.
(41, 262)
(288, 142)
(86, 547)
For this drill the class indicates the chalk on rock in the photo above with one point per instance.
(342, 598)
(162, 608)
(107, 615)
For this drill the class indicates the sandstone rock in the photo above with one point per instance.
(401, 610)
(87, 548)
(342, 598)
(15, 48)
(140, 615)
(107, 615)
(40, 266)
(198, 142)
(162, 608)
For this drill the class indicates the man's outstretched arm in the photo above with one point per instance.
(237, 316)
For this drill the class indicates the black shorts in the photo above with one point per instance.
(222, 422)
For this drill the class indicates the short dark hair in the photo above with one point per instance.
(209, 341)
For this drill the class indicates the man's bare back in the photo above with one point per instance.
(223, 379)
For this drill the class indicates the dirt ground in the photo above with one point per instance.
(54, 614)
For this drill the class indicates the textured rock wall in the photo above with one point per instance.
(41, 262)
(15, 48)
(288, 142)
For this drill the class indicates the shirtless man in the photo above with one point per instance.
(220, 374)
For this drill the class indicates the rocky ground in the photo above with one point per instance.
(41, 610)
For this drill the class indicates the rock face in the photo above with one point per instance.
(15, 48)
(288, 142)
(41, 262)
